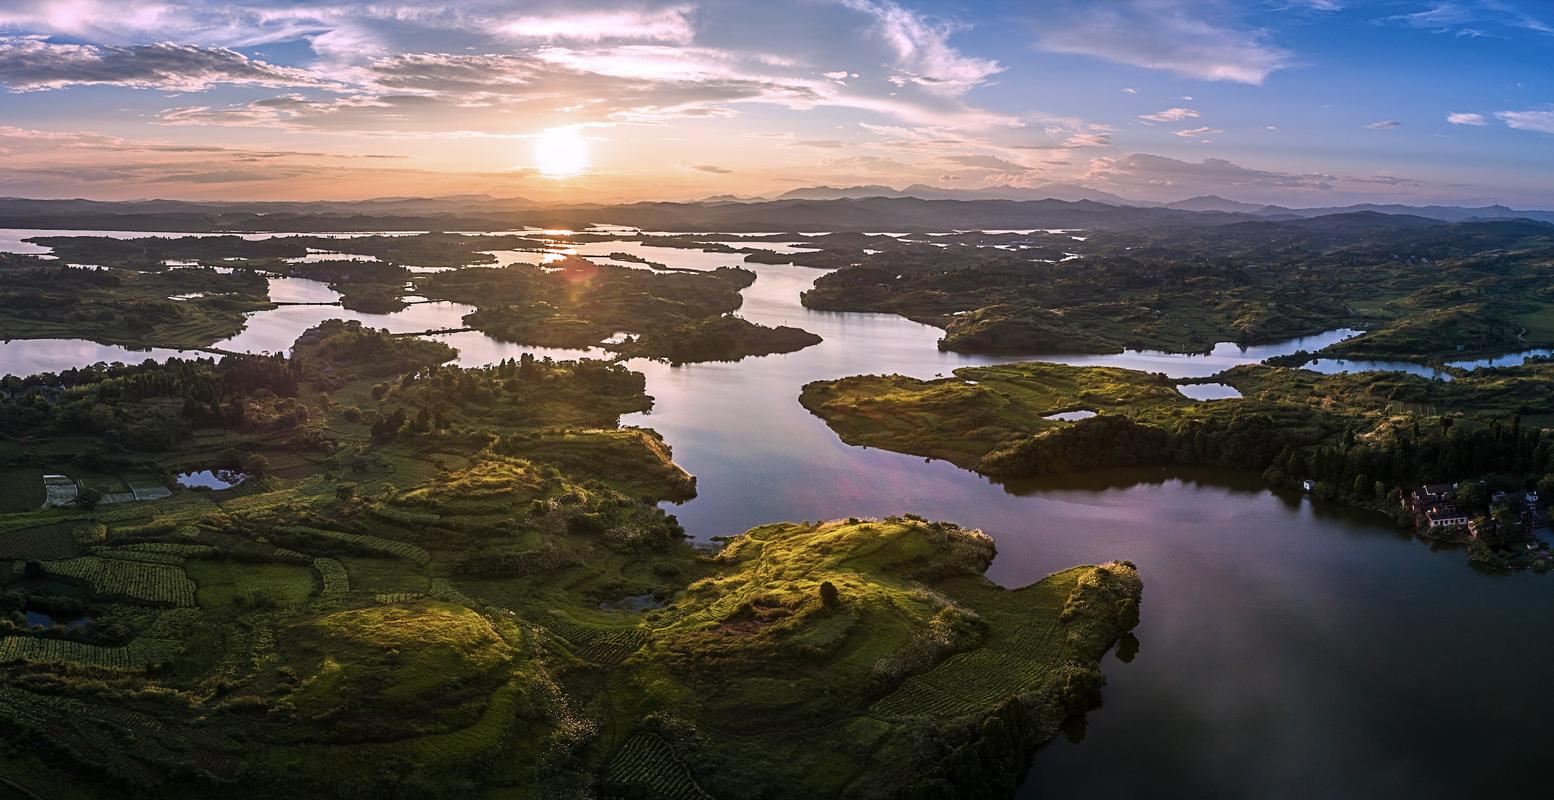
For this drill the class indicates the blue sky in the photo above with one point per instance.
(1300, 102)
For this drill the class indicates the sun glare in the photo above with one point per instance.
(561, 153)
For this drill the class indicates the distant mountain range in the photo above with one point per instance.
(1075, 192)
(809, 210)
(1071, 192)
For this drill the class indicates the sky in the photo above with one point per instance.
(1296, 102)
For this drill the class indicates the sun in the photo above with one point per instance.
(561, 153)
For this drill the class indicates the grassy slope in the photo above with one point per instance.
(983, 412)
(963, 418)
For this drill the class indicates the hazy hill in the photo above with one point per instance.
(1071, 192)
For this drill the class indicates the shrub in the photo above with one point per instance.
(829, 594)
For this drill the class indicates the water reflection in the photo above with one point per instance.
(1209, 391)
(1221, 357)
(1333, 366)
(479, 350)
(1295, 650)
(31, 356)
(1510, 360)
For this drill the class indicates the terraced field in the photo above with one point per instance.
(1014, 660)
(596, 643)
(647, 764)
(134, 580)
(337, 583)
(161, 642)
(376, 544)
(43, 543)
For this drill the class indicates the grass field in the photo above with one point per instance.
(226, 583)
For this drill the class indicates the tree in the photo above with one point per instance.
(1471, 496)
(1546, 489)
(88, 498)
(255, 464)
(829, 594)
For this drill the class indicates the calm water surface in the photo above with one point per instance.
(1286, 650)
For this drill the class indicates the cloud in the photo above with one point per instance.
(715, 170)
(1082, 140)
(1195, 38)
(987, 163)
(1195, 133)
(1459, 118)
(29, 64)
(1538, 121)
(1461, 18)
(1143, 175)
(1384, 125)
(922, 48)
(1170, 115)
(671, 24)
(1129, 90)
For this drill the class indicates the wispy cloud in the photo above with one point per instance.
(1463, 118)
(30, 64)
(1198, 39)
(1146, 175)
(922, 48)
(1384, 125)
(1198, 133)
(1170, 115)
(1470, 17)
(671, 24)
(1537, 121)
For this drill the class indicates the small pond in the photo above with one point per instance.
(216, 479)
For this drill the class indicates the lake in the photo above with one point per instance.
(1287, 649)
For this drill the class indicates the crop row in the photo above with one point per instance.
(337, 582)
(965, 684)
(647, 762)
(443, 589)
(395, 598)
(121, 554)
(378, 544)
(152, 583)
(42, 543)
(185, 549)
(594, 643)
(409, 519)
(143, 651)
(135, 748)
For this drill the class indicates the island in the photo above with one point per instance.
(1420, 290)
(1370, 439)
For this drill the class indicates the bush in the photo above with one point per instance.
(829, 594)
(88, 498)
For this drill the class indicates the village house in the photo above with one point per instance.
(1427, 496)
(1444, 515)
(1433, 507)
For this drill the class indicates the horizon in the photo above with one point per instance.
(1297, 103)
